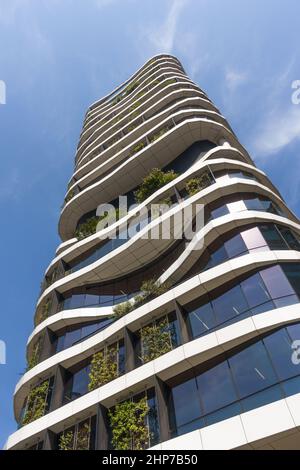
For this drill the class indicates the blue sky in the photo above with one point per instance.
(57, 57)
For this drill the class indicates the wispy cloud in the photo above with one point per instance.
(233, 79)
(281, 128)
(162, 37)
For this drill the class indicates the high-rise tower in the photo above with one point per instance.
(198, 346)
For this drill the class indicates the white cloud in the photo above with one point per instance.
(162, 37)
(281, 129)
(234, 79)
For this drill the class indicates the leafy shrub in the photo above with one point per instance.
(104, 367)
(36, 403)
(138, 147)
(155, 340)
(66, 440)
(155, 180)
(194, 185)
(128, 425)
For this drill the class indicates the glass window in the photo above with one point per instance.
(273, 237)
(77, 301)
(152, 418)
(60, 343)
(229, 305)
(255, 291)
(280, 349)
(269, 206)
(219, 212)
(294, 331)
(252, 370)
(186, 403)
(292, 272)
(91, 299)
(253, 204)
(216, 388)
(290, 238)
(276, 282)
(217, 257)
(121, 358)
(237, 206)
(235, 246)
(72, 337)
(253, 238)
(202, 320)
(106, 299)
(80, 383)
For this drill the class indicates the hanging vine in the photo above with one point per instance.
(36, 402)
(34, 358)
(156, 340)
(128, 421)
(104, 367)
(66, 440)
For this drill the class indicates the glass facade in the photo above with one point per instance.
(260, 373)
(157, 338)
(78, 377)
(261, 237)
(81, 436)
(74, 334)
(239, 203)
(149, 434)
(268, 289)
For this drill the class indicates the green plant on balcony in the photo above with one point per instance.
(44, 312)
(135, 105)
(194, 185)
(155, 180)
(169, 82)
(158, 134)
(83, 436)
(149, 290)
(36, 403)
(128, 425)
(137, 148)
(154, 83)
(122, 309)
(155, 340)
(116, 100)
(87, 228)
(131, 128)
(115, 120)
(70, 196)
(66, 440)
(130, 88)
(104, 367)
(34, 358)
(90, 226)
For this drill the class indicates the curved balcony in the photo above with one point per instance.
(232, 225)
(129, 174)
(140, 250)
(184, 294)
(133, 320)
(111, 97)
(137, 112)
(271, 320)
(102, 119)
(134, 128)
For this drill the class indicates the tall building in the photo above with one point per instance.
(165, 342)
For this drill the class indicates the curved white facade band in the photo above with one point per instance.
(189, 319)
